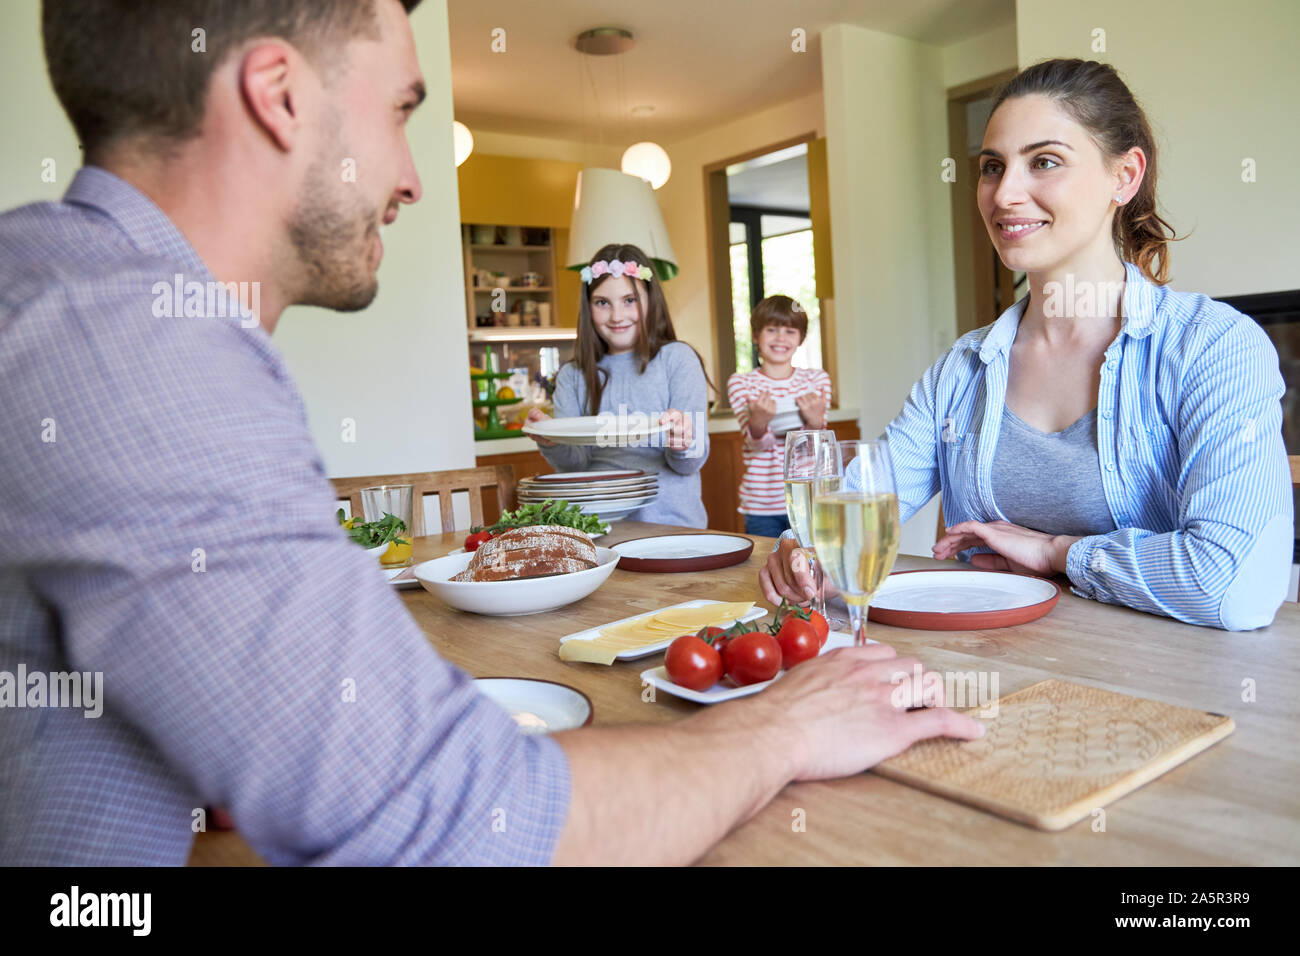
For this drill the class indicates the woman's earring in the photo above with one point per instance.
(1119, 200)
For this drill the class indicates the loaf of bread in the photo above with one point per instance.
(531, 552)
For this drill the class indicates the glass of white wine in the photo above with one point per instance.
(805, 459)
(855, 523)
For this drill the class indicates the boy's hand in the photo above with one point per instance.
(812, 409)
(761, 412)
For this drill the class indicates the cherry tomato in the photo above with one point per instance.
(692, 663)
(474, 540)
(799, 641)
(713, 636)
(752, 657)
(823, 629)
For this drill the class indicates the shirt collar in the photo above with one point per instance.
(135, 214)
(1141, 300)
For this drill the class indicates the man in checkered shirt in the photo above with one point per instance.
(167, 522)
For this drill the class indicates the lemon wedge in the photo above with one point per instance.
(399, 552)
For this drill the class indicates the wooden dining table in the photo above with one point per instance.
(1237, 803)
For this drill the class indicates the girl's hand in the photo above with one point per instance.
(812, 409)
(680, 433)
(788, 575)
(1020, 550)
(537, 415)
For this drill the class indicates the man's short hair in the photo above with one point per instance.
(141, 67)
(779, 310)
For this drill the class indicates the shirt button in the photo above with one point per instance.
(1111, 364)
(1106, 414)
(1110, 466)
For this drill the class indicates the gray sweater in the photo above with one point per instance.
(673, 379)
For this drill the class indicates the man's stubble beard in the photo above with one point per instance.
(332, 231)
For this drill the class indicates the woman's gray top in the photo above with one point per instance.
(1051, 482)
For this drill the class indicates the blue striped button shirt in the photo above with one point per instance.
(1190, 446)
(166, 521)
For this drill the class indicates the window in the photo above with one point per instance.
(772, 254)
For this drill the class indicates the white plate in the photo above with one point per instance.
(611, 511)
(565, 477)
(594, 632)
(511, 598)
(961, 592)
(724, 689)
(628, 495)
(538, 706)
(671, 546)
(595, 487)
(591, 430)
(786, 422)
(391, 573)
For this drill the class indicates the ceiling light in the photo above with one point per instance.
(649, 162)
(462, 141)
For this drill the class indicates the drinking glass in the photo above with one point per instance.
(804, 457)
(855, 523)
(398, 500)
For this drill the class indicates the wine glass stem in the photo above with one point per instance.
(819, 584)
(858, 624)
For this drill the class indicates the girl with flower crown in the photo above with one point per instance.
(629, 365)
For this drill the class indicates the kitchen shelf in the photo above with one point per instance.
(524, 333)
(493, 247)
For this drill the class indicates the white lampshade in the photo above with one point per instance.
(462, 140)
(648, 161)
(610, 206)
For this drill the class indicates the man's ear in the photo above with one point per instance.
(270, 76)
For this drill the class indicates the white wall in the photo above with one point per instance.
(979, 56)
(415, 414)
(891, 236)
(1220, 83)
(412, 412)
(35, 129)
(682, 200)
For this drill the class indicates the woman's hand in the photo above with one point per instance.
(680, 433)
(537, 415)
(788, 574)
(1021, 550)
(812, 409)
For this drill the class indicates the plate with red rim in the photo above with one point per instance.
(689, 551)
(962, 600)
(584, 477)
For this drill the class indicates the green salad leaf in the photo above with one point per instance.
(372, 534)
(550, 512)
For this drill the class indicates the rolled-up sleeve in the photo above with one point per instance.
(193, 559)
(1227, 563)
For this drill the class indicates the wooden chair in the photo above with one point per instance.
(443, 484)
(1295, 470)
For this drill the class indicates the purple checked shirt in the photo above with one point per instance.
(166, 520)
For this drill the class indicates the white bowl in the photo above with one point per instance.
(784, 422)
(538, 706)
(510, 598)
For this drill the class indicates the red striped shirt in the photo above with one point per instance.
(762, 490)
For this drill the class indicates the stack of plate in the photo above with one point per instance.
(609, 495)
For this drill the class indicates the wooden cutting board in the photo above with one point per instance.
(1056, 751)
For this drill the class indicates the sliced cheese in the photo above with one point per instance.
(694, 618)
(648, 629)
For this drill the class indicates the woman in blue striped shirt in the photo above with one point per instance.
(1104, 427)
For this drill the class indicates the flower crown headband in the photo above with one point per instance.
(631, 268)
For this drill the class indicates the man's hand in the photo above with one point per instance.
(1021, 550)
(537, 415)
(847, 710)
(761, 412)
(788, 574)
(812, 409)
(680, 431)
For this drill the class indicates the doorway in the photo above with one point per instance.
(985, 287)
